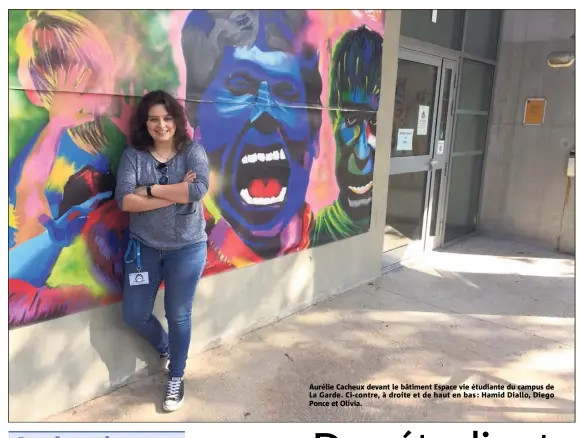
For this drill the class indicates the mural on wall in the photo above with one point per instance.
(355, 91)
(284, 103)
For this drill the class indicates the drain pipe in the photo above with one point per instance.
(570, 176)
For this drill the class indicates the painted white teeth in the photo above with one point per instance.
(363, 189)
(263, 157)
(359, 202)
(247, 198)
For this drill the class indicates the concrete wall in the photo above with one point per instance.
(64, 362)
(526, 193)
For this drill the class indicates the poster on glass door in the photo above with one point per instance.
(422, 125)
(404, 140)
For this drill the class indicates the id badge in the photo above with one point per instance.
(139, 278)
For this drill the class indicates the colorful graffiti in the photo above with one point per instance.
(355, 93)
(284, 103)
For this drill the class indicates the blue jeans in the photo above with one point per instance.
(181, 270)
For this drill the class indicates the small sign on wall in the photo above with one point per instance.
(534, 111)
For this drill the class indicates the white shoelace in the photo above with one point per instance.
(173, 389)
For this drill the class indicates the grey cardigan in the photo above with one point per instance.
(178, 225)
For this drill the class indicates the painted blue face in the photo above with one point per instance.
(254, 129)
(358, 133)
(356, 145)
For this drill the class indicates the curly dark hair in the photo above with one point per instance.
(140, 137)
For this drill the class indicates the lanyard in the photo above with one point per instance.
(136, 245)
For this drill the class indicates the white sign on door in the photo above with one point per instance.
(422, 125)
(404, 141)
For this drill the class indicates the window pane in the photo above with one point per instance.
(405, 209)
(463, 195)
(446, 32)
(476, 86)
(482, 33)
(415, 87)
(471, 132)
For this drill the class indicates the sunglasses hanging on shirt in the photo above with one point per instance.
(164, 179)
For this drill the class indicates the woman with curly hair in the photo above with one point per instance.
(161, 182)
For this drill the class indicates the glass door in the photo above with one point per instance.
(419, 154)
(440, 163)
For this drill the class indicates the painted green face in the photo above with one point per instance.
(356, 92)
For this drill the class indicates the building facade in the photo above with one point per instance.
(529, 188)
(340, 143)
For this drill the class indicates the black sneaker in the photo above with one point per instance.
(175, 394)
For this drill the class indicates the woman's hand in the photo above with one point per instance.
(190, 177)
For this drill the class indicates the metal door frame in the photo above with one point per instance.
(442, 161)
(433, 161)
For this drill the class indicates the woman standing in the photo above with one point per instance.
(161, 181)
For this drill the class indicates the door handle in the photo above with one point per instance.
(433, 163)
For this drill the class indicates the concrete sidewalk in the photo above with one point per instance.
(483, 311)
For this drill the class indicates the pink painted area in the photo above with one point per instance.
(176, 24)
(32, 206)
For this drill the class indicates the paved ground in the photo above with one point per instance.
(482, 312)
